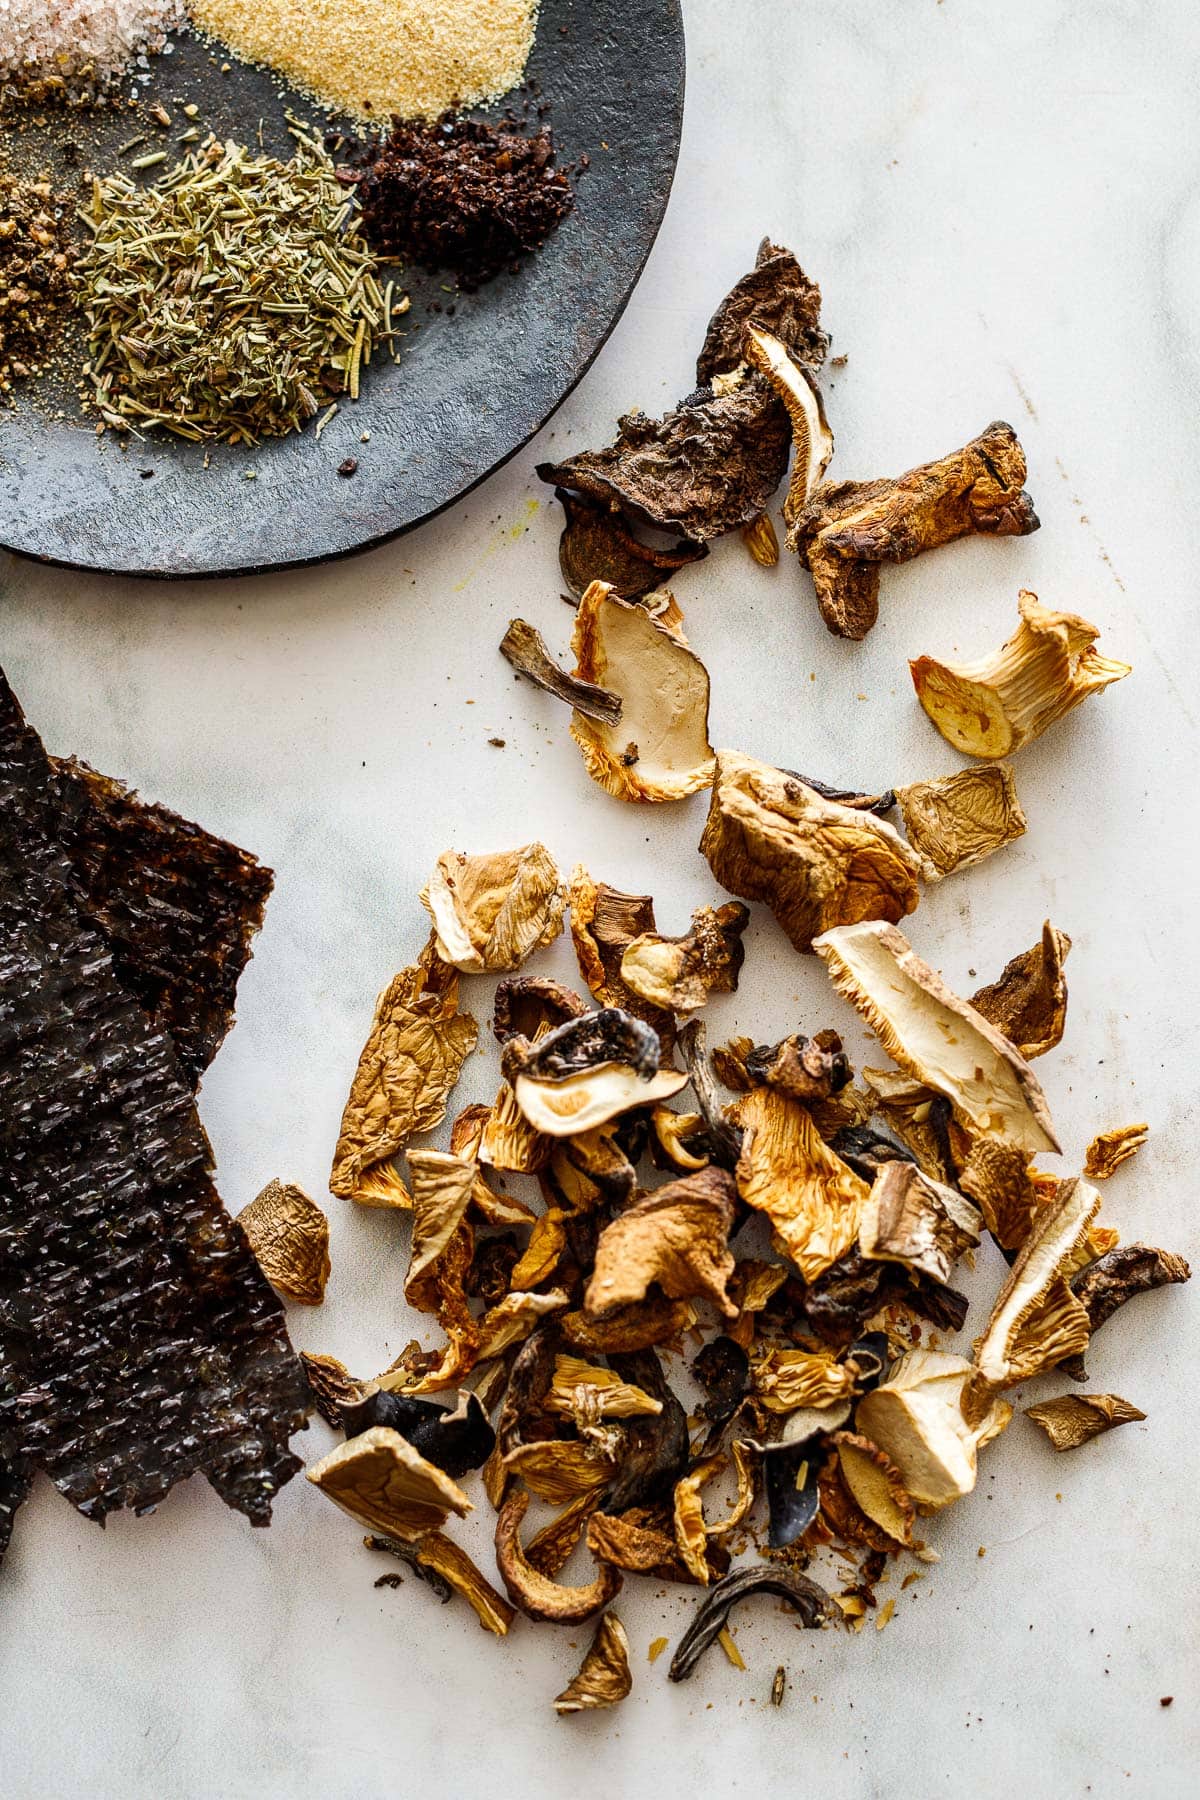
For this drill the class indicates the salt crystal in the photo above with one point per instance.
(68, 35)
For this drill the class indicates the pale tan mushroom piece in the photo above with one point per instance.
(604, 1678)
(380, 1480)
(813, 1200)
(289, 1235)
(911, 1219)
(935, 1036)
(957, 820)
(675, 1237)
(492, 912)
(442, 1187)
(876, 1485)
(916, 1418)
(992, 707)
(812, 440)
(1107, 1151)
(680, 974)
(604, 922)
(438, 1552)
(1075, 1419)
(815, 862)
(593, 1097)
(691, 1533)
(785, 1380)
(585, 1391)
(659, 749)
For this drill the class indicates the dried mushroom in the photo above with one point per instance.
(812, 1199)
(1074, 1419)
(597, 545)
(659, 748)
(417, 1046)
(588, 1071)
(491, 912)
(442, 1185)
(1105, 1285)
(530, 1005)
(775, 295)
(812, 440)
(331, 1385)
(675, 1237)
(525, 649)
(380, 1480)
(654, 1452)
(675, 1134)
(560, 1470)
(911, 1219)
(957, 820)
(991, 707)
(456, 1442)
(1108, 1150)
(604, 922)
(876, 1485)
(604, 1678)
(916, 1418)
(537, 1595)
(785, 1380)
(815, 862)
(512, 1319)
(586, 1393)
(936, 1037)
(691, 1535)
(1028, 1002)
(1001, 1178)
(679, 974)
(630, 1544)
(805, 1598)
(509, 1141)
(641, 1327)
(849, 528)
(437, 1553)
(289, 1235)
(804, 1068)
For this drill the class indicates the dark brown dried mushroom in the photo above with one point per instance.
(802, 1067)
(597, 545)
(289, 1235)
(604, 922)
(724, 1138)
(525, 649)
(1028, 1002)
(914, 1220)
(679, 974)
(849, 528)
(775, 295)
(1105, 1285)
(332, 1386)
(588, 1071)
(654, 1453)
(537, 1596)
(524, 1005)
(603, 1677)
(811, 1602)
(676, 1238)
(1074, 1419)
(641, 1327)
(957, 820)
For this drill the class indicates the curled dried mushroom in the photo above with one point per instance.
(289, 1235)
(1028, 1001)
(675, 1238)
(537, 1596)
(812, 1199)
(380, 1480)
(491, 912)
(815, 862)
(911, 1219)
(876, 1485)
(849, 528)
(1109, 1149)
(957, 820)
(598, 545)
(812, 440)
(1120, 1275)
(1074, 1419)
(603, 1677)
(588, 1071)
(679, 974)
(805, 1598)
(991, 707)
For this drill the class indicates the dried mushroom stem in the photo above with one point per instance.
(812, 440)
(711, 1617)
(992, 707)
(525, 649)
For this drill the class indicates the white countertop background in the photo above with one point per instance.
(1001, 205)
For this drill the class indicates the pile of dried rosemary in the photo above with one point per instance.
(229, 300)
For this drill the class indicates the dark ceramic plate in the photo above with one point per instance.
(470, 388)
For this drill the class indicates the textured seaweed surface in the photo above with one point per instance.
(139, 1341)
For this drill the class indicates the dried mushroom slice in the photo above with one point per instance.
(604, 1678)
(589, 1071)
(1028, 1002)
(631, 1328)
(1109, 1149)
(812, 1199)
(957, 820)
(676, 1238)
(812, 440)
(775, 295)
(654, 1451)
(560, 1470)
(597, 545)
(659, 749)
(442, 1186)
(508, 1141)
(604, 922)
(380, 1480)
(535, 1594)
(439, 1553)
(1074, 1419)
(331, 1385)
(1002, 1179)
(512, 1319)
(1120, 1275)
(417, 1046)
(691, 1533)
(815, 862)
(289, 1235)
(680, 974)
(909, 1218)
(992, 707)
(586, 1392)
(810, 1602)
(785, 1380)
(675, 1134)
(916, 1419)
(525, 649)
(802, 1067)
(530, 1005)
(491, 912)
(629, 1544)
(936, 1037)
(849, 528)
(876, 1485)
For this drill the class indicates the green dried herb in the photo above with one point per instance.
(232, 299)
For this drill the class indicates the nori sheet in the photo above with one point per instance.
(139, 1341)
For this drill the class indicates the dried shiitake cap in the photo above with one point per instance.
(289, 1235)
(604, 1677)
(491, 912)
(380, 1480)
(916, 1419)
(991, 707)
(957, 820)
(1028, 1001)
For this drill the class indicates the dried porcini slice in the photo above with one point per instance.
(849, 528)
(1002, 1179)
(992, 707)
(1109, 1149)
(537, 1596)
(691, 1533)
(524, 647)
(492, 912)
(916, 1419)
(380, 1480)
(812, 440)
(417, 1046)
(659, 748)
(597, 545)
(629, 1544)
(936, 1037)
(442, 1186)
(680, 974)
(604, 1678)
(876, 1485)
(512, 1320)
(775, 295)
(815, 862)
(588, 1071)
(911, 1219)
(679, 1140)
(1105, 1285)
(560, 1470)
(289, 1235)
(1075, 1419)
(1028, 1001)
(675, 1237)
(956, 820)
(812, 1199)
(604, 922)
(805, 1598)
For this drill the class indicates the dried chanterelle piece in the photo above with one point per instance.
(959, 819)
(849, 528)
(815, 862)
(991, 707)
(289, 1235)
(679, 974)
(1109, 1149)
(659, 749)
(491, 912)
(1074, 1419)
(604, 1676)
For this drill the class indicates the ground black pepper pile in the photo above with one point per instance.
(35, 274)
(461, 195)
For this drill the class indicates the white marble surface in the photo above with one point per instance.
(1001, 205)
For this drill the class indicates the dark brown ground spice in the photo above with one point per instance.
(461, 195)
(36, 285)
